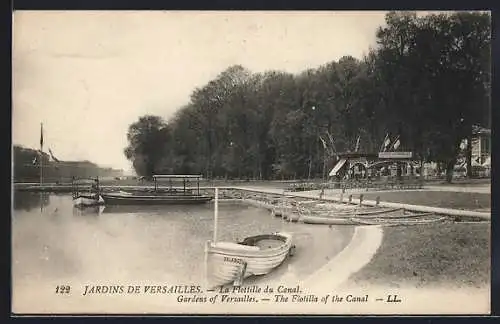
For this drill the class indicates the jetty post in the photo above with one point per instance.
(283, 206)
(216, 213)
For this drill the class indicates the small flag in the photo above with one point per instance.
(357, 144)
(41, 134)
(385, 143)
(52, 156)
(396, 144)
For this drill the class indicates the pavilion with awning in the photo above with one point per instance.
(337, 167)
(362, 163)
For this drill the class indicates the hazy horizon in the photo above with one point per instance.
(88, 75)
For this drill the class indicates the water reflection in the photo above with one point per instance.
(155, 209)
(29, 200)
(140, 243)
(88, 211)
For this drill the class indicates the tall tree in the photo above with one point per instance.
(148, 141)
(427, 81)
(433, 71)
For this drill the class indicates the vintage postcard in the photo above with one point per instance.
(246, 162)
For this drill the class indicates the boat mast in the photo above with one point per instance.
(41, 154)
(216, 213)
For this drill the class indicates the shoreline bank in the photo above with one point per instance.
(273, 196)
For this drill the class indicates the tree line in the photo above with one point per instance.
(426, 82)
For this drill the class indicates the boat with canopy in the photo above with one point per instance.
(181, 189)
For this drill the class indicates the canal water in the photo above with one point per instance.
(53, 242)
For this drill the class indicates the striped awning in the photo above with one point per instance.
(337, 167)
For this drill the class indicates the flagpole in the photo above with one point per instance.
(41, 154)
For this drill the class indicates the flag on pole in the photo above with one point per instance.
(41, 136)
(385, 143)
(396, 144)
(52, 156)
(357, 144)
(41, 153)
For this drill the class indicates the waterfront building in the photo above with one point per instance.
(27, 167)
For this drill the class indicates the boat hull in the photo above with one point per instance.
(371, 212)
(364, 212)
(226, 260)
(131, 199)
(427, 219)
(291, 217)
(327, 220)
(351, 218)
(87, 201)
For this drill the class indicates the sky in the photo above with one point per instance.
(88, 75)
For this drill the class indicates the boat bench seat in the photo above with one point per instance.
(236, 246)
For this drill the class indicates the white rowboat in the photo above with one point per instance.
(229, 262)
(87, 200)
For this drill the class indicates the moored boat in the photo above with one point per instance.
(370, 212)
(144, 199)
(229, 262)
(86, 192)
(307, 219)
(398, 221)
(88, 200)
(170, 196)
(292, 216)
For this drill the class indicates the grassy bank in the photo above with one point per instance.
(443, 199)
(431, 256)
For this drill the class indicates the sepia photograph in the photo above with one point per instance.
(251, 162)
